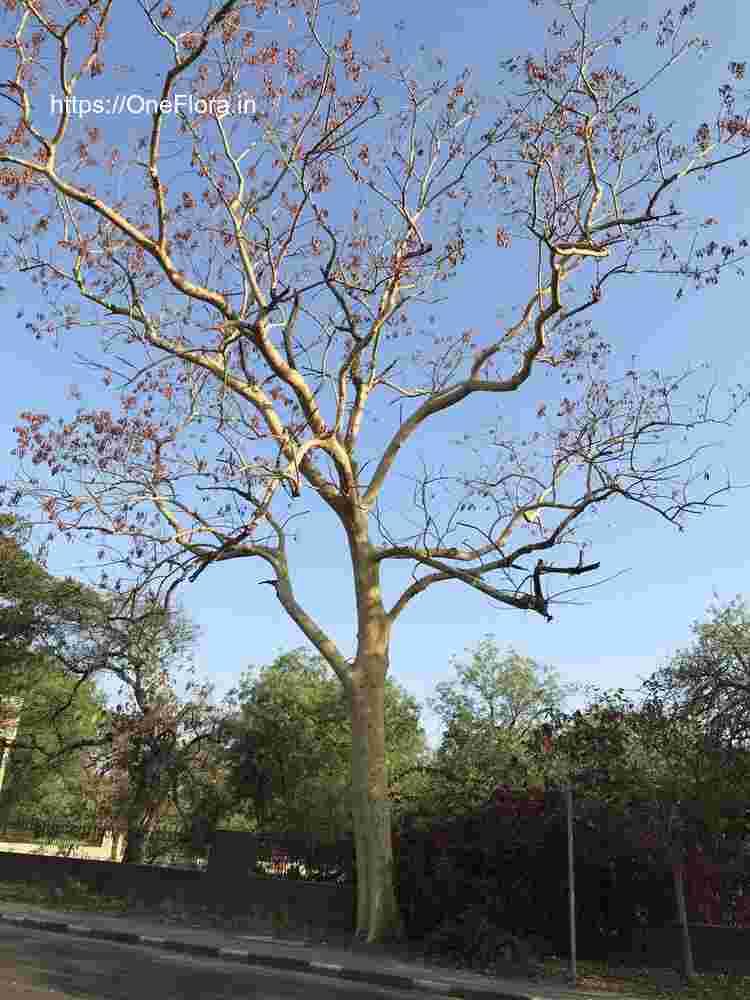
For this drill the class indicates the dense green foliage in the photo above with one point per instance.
(652, 768)
(488, 711)
(288, 745)
(711, 677)
(42, 622)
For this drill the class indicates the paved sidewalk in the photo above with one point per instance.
(296, 955)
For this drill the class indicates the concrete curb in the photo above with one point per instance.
(269, 961)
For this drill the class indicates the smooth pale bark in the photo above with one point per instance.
(360, 810)
(378, 915)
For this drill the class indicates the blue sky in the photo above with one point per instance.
(630, 624)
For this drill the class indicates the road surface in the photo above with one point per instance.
(43, 965)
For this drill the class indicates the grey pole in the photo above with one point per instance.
(571, 882)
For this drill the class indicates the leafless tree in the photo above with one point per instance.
(259, 310)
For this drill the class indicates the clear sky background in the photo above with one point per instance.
(629, 625)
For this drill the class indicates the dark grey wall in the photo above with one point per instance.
(325, 904)
(714, 948)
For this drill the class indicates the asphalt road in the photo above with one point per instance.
(42, 965)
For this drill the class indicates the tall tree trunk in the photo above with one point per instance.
(378, 917)
(360, 766)
(135, 844)
(378, 914)
(141, 817)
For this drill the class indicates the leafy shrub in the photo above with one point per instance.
(474, 938)
(280, 920)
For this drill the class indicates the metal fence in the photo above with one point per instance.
(20, 828)
(277, 855)
(172, 849)
(303, 857)
(166, 848)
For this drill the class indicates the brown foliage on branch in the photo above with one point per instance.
(304, 326)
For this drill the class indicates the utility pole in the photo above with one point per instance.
(571, 882)
(548, 746)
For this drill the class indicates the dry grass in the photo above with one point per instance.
(664, 984)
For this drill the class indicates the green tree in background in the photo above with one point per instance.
(40, 616)
(154, 734)
(43, 778)
(289, 745)
(488, 711)
(39, 613)
(57, 636)
(653, 779)
(711, 677)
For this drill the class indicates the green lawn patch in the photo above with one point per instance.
(70, 894)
